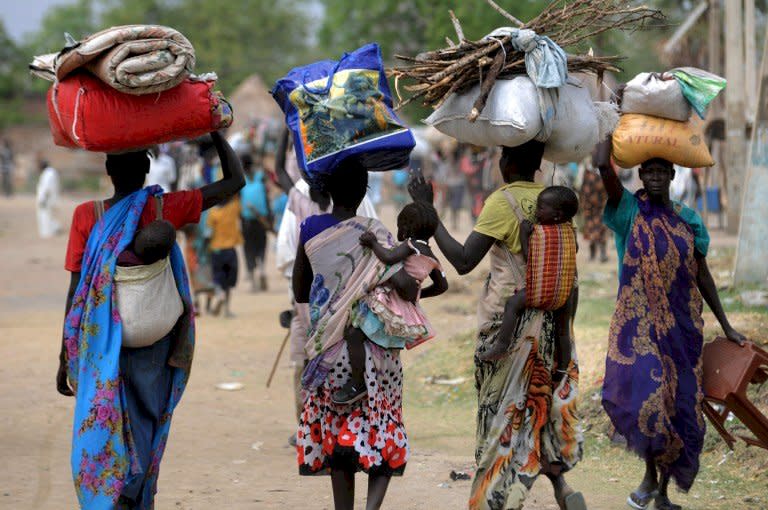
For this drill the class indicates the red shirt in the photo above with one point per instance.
(180, 208)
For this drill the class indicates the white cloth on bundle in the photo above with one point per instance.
(162, 171)
(683, 187)
(48, 189)
(300, 207)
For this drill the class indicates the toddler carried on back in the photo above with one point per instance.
(150, 244)
(550, 250)
(382, 316)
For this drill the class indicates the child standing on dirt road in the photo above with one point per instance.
(224, 222)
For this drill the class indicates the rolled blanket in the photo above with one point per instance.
(134, 59)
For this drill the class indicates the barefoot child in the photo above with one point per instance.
(224, 222)
(383, 316)
(550, 249)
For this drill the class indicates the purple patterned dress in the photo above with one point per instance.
(652, 390)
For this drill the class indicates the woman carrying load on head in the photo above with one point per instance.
(332, 271)
(591, 202)
(652, 389)
(526, 423)
(126, 394)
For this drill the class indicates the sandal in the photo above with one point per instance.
(348, 394)
(640, 501)
(575, 501)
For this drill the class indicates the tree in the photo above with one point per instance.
(11, 79)
(235, 38)
(77, 19)
(409, 26)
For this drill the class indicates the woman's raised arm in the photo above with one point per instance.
(602, 161)
(232, 180)
(464, 257)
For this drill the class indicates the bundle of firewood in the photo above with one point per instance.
(436, 75)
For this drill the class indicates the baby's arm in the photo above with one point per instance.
(526, 229)
(439, 284)
(397, 254)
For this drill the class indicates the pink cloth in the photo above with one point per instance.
(419, 266)
(400, 317)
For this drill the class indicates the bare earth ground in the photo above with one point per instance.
(228, 450)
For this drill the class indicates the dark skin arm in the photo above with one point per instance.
(233, 180)
(526, 229)
(464, 257)
(388, 256)
(283, 179)
(62, 385)
(439, 284)
(302, 276)
(602, 160)
(563, 320)
(708, 289)
(406, 287)
(398, 254)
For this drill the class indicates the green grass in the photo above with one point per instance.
(443, 417)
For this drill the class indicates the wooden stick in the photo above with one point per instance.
(277, 359)
(456, 26)
(504, 13)
(466, 60)
(485, 88)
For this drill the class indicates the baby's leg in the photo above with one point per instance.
(512, 310)
(354, 389)
(355, 339)
(563, 319)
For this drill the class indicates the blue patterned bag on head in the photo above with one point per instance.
(341, 109)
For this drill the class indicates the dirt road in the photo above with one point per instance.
(227, 450)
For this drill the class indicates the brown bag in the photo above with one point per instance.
(639, 138)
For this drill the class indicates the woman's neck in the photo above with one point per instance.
(664, 200)
(119, 195)
(342, 213)
(520, 178)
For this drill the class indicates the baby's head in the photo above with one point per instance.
(417, 220)
(154, 242)
(556, 204)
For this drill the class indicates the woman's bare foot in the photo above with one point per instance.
(561, 494)
(567, 498)
(662, 502)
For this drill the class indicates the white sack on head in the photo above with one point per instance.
(607, 119)
(656, 95)
(511, 115)
(575, 127)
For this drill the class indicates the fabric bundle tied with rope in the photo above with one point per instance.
(544, 104)
(127, 88)
(134, 59)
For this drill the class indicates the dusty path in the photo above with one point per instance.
(227, 450)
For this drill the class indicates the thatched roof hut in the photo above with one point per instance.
(251, 100)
